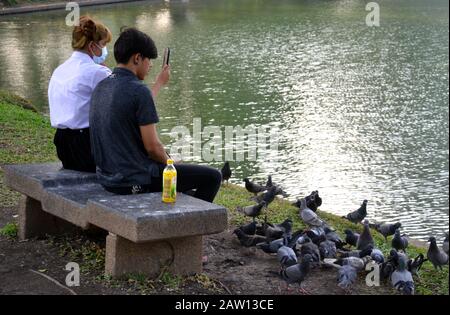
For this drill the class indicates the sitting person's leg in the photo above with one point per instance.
(204, 179)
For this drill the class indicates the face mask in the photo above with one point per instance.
(101, 59)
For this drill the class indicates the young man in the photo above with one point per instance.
(129, 156)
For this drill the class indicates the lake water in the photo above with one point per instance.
(361, 112)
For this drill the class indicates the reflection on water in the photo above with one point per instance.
(362, 112)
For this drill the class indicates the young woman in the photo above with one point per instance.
(70, 90)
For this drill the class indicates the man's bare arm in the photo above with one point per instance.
(152, 144)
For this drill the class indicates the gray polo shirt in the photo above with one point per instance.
(119, 105)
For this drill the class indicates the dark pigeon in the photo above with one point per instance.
(253, 187)
(309, 248)
(226, 172)
(286, 257)
(272, 247)
(298, 272)
(386, 270)
(436, 256)
(387, 229)
(365, 239)
(249, 229)
(269, 182)
(415, 264)
(327, 249)
(334, 237)
(351, 237)
(248, 240)
(445, 244)
(358, 215)
(399, 242)
(269, 195)
(251, 211)
(377, 256)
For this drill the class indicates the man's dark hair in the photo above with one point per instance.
(132, 41)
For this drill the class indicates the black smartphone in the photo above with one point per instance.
(166, 56)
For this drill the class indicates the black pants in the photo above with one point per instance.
(74, 149)
(204, 180)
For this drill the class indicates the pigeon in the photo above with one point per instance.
(285, 226)
(309, 248)
(249, 229)
(309, 217)
(358, 215)
(347, 276)
(272, 247)
(387, 229)
(365, 239)
(251, 211)
(334, 237)
(445, 244)
(386, 270)
(286, 257)
(316, 239)
(327, 249)
(415, 264)
(396, 257)
(298, 272)
(317, 198)
(272, 232)
(357, 263)
(248, 240)
(351, 237)
(357, 253)
(253, 187)
(437, 257)
(226, 172)
(377, 256)
(269, 182)
(399, 242)
(269, 195)
(402, 279)
(310, 202)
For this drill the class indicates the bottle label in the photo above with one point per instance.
(169, 187)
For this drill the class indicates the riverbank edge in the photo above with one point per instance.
(35, 7)
(27, 138)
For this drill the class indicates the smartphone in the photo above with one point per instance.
(166, 56)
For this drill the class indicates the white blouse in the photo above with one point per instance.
(70, 90)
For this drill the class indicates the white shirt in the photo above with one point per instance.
(70, 90)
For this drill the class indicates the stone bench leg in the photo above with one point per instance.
(124, 256)
(34, 222)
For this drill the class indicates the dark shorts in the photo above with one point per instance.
(73, 148)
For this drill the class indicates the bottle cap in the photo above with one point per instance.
(169, 162)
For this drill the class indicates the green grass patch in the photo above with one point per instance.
(10, 230)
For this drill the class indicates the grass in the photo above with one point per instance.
(27, 137)
(9, 230)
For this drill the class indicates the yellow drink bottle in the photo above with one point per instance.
(169, 191)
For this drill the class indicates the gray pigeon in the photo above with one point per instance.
(309, 217)
(365, 239)
(298, 272)
(445, 244)
(399, 242)
(251, 211)
(334, 237)
(347, 276)
(356, 253)
(359, 214)
(272, 247)
(327, 249)
(377, 256)
(402, 279)
(286, 257)
(309, 248)
(351, 237)
(253, 187)
(387, 229)
(357, 263)
(437, 257)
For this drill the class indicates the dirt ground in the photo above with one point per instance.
(232, 268)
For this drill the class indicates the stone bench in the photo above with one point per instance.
(145, 234)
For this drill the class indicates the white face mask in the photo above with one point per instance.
(100, 59)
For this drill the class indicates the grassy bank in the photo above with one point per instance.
(27, 137)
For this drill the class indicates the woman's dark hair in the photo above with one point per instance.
(132, 41)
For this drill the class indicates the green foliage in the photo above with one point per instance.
(10, 230)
